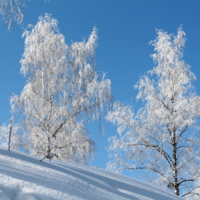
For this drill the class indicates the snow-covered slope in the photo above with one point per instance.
(25, 177)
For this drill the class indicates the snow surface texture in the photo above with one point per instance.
(24, 177)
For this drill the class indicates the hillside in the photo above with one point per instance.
(24, 177)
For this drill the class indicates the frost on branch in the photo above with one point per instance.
(63, 92)
(12, 12)
(162, 138)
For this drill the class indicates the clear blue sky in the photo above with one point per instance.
(125, 29)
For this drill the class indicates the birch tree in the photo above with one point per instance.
(63, 92)
(162, 138)
(9, 138)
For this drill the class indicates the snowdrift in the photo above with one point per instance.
(24, 177)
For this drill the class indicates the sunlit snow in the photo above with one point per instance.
(24, 177)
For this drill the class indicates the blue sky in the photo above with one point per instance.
(125, 28)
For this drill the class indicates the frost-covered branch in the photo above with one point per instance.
(11, 12)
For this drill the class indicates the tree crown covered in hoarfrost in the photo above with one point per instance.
(162, 138)
(63, 91)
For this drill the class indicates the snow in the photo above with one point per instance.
(24, 177)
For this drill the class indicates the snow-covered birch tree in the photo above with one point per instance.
(162, 138)
(63, 92)
(9, 138)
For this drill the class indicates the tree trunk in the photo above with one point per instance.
(48, 152)
(175, 171)
(10, 134)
